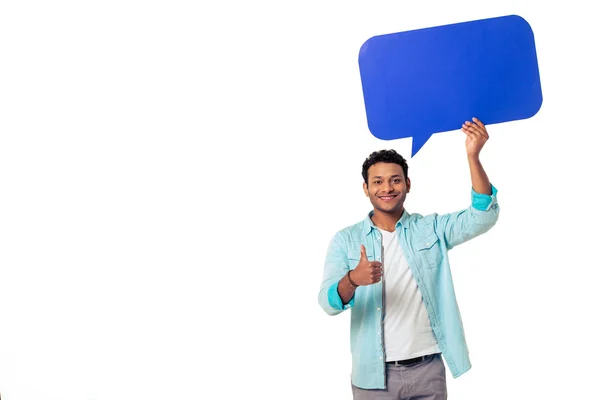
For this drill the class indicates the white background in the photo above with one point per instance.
(171, 174)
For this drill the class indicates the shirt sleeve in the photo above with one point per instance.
(335, 301)
(336, 267)
(464, 225)
(483, 202)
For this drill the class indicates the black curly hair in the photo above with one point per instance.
(387, 156)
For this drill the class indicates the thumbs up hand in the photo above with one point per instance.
(366, 272)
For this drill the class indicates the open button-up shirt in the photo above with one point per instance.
(425, 241)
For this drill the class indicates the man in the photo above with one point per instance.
(392, 271)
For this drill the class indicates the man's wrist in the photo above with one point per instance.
(351, 281)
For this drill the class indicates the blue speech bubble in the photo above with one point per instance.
(425, 81)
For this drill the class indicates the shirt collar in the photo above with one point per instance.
(369, 226)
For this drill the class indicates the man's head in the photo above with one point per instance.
(386, 181)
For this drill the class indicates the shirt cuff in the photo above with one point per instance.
(483, 202)
(335, 301)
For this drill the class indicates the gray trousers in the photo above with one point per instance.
(425, 380)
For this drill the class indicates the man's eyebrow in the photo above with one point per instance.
(393, 176)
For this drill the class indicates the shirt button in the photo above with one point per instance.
(378, 308)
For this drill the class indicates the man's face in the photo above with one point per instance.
(387, 187)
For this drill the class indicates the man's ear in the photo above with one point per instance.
(407, 185)
(366, 189)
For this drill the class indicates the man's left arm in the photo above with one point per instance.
(481, 216)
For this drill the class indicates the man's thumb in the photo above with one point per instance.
(363, 253)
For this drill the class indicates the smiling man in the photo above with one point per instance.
(392, 271)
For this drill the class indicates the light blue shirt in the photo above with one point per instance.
(425, 241)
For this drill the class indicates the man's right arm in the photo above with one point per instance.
(339, 286)
(334, 295)
(345, 289)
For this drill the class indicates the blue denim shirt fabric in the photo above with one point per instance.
(425, 241)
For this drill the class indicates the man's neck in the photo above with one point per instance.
(386, 221)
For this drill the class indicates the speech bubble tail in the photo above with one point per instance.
(418, 141)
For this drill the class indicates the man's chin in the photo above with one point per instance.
(389, 208)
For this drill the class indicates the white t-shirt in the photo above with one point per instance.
(407, 331)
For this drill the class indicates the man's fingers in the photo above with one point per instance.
(479, 123)
(477, 128)
(470, 127)
(376, 271)
(466, 129)
(470, 134)
(376, 277)
(475, 132)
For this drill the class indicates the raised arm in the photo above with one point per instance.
(482, 215)
(476, 137)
